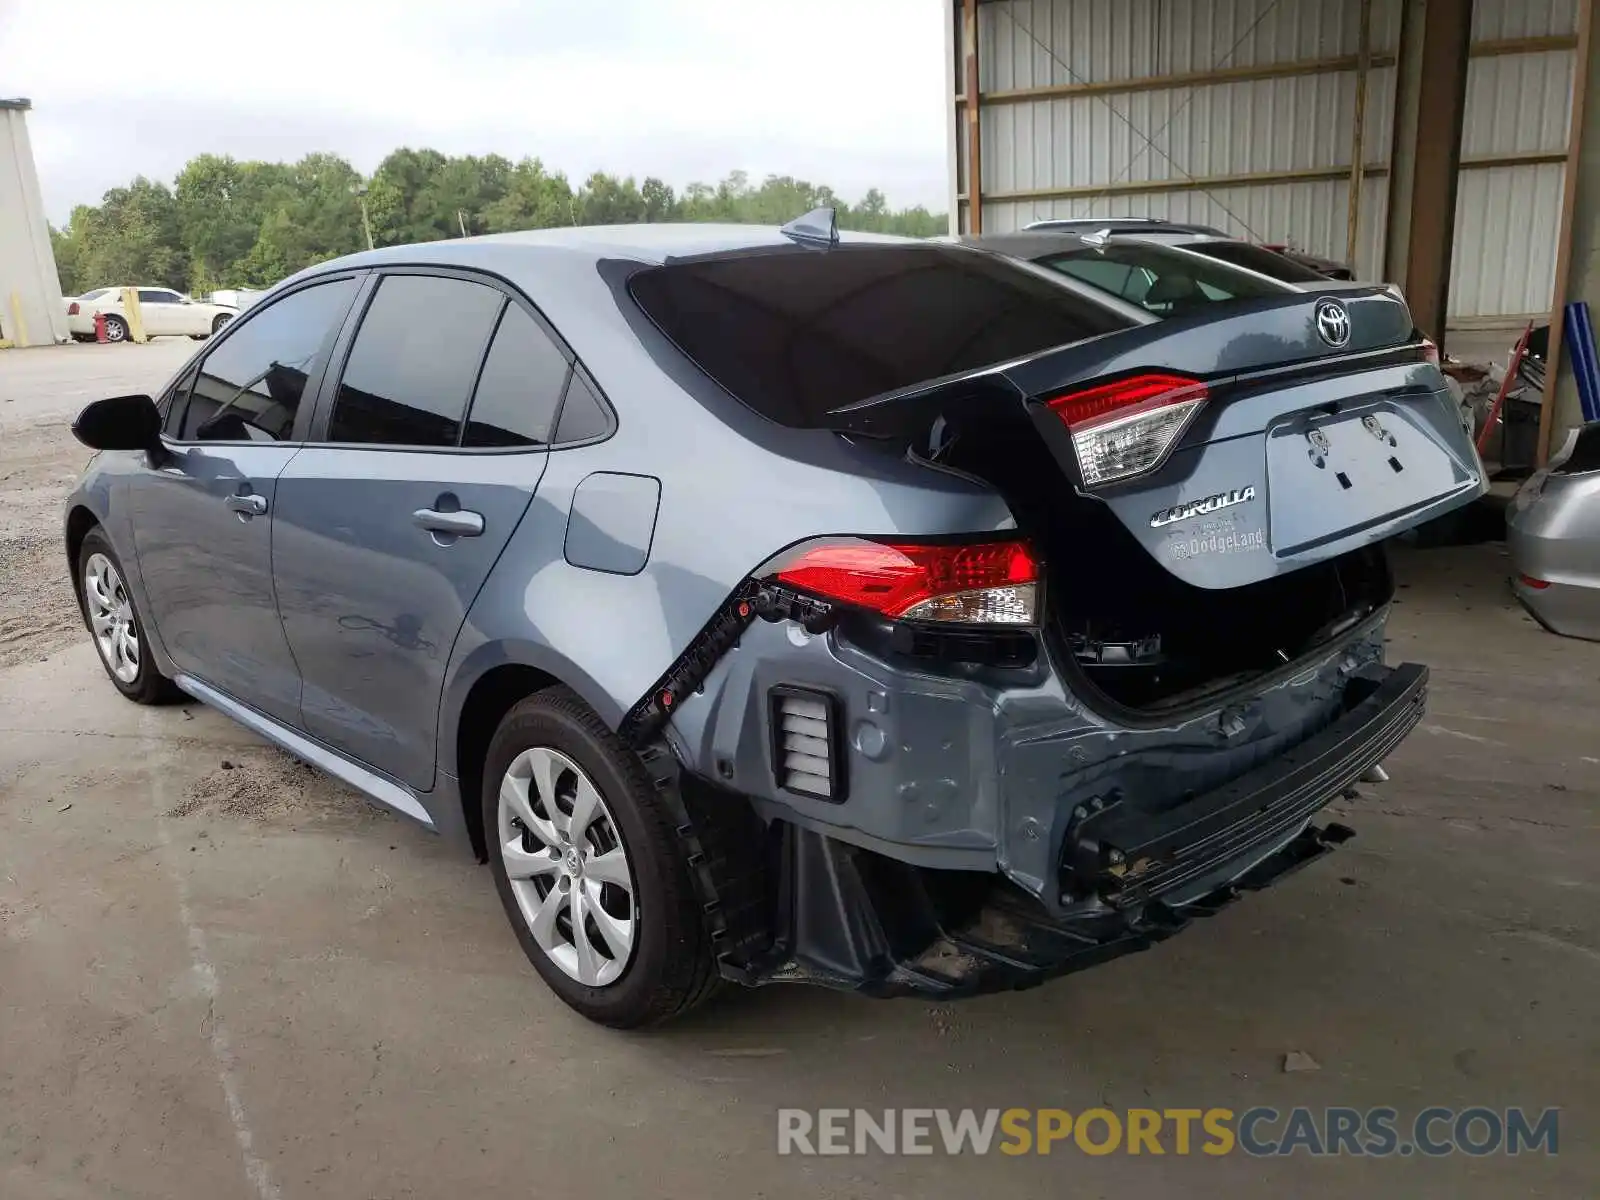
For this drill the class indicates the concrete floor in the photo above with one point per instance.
(223, 976)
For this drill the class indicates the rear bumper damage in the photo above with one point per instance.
(831, 912)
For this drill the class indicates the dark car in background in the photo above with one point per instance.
(769, 605)
(1164, 279)
(1277, 260)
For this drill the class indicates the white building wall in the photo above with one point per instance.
(31, 310)
(1139, 151)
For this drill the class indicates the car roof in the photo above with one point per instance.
(658, 244)
(573, 274)
(1124, 225)
(1028, 244)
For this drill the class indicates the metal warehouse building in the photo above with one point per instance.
(1352, 129)
(31, 313)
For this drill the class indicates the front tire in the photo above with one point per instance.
(115, 624)
(588, 866)
(220, 321)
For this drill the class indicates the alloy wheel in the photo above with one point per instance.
(111, 617)
(568, 868)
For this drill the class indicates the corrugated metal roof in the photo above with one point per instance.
(1504, 260)
(1500, 20)
(1031, 43)
(1516, 104)
(1296, 123)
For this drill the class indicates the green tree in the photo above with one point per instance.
(229, 223)
(606, 200)
(533, 199)
(659, 203)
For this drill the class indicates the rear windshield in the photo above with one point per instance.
(1167, 282)
(1255, 258)
(796, 332)
(94, 295)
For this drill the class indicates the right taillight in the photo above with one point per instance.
(991, 582)
(1126, 428)
(72, 309)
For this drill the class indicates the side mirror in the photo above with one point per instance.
(120, 423)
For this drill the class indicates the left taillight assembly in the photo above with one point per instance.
(1127, 428)
(990, 582)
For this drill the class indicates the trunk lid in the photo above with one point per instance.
(1302, 451)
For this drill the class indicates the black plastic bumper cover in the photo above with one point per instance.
(852, 919)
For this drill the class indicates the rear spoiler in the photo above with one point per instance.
(1241, 339)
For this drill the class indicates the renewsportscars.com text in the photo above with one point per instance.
(1374, 1132)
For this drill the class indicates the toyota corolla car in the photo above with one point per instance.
(770, 605)
(163, 311)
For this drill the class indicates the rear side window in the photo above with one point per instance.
(1167, 282)
(797, 332)
(520, 386)
(583, 416)
(250, 387)
(413, 363)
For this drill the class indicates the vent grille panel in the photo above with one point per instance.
(804, 745)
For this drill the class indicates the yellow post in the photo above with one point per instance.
(130, 309)
(19, 327)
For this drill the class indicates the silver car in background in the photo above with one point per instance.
(1553, 529)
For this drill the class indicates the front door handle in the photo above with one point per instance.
(248, 505)
(461, 523)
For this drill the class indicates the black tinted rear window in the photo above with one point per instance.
(797, 332)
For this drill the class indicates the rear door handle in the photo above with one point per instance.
(456, 524)
(248, 506)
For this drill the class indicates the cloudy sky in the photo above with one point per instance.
(843, 92)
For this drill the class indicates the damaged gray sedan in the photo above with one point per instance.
(770, 605)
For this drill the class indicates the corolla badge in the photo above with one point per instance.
(1196, 508)
(1333, 323)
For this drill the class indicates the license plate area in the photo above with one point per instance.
(1330, 476)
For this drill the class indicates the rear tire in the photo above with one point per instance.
(568, 846)
(219, 322)
(116, 328)
(116, 626)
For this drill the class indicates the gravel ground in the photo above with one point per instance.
(41, 391)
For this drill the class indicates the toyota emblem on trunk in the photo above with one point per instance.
(1333, 323)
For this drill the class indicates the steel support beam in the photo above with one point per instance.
(1358, 145)
(969, 36)
(1578, 251)
(1430, 100)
